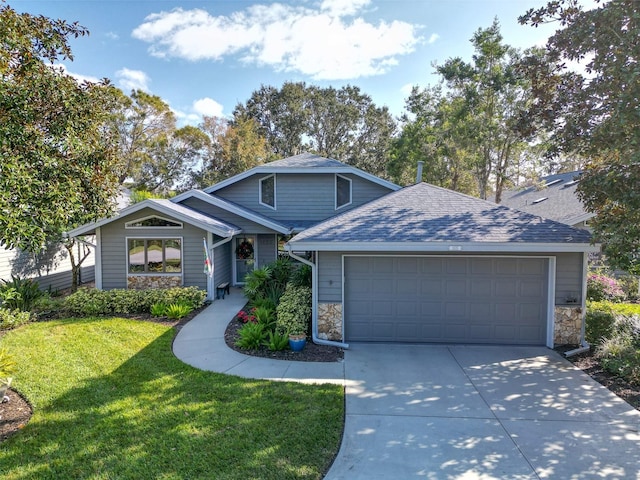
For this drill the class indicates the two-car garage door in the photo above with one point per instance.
(501, 300)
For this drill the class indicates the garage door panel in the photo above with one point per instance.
(448, 299)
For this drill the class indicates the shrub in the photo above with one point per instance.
(629, 285)
(255, 282)
(245, 317)
(252, 335)
(7, 364)
(266, 317)
(301, 277)
(158, 309)
(13, 318)
(86, 302)
(177, 310)
(276, 342)
(620, 353)
(601, 287)
(598, 321)
(293, 314)
(19, 293)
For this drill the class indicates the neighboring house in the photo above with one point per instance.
(553, 197)
(51, 268)
(390, 264)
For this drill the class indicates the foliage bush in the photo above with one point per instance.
(276, 342)
(301, 276)
(158, 309)
(602, 287)
(266, 317)
(7, 364)
(13, 318)
(19, 293)
(620, 352)
(629, 285)
(293, 314)
(90, 301)
(177, 310)
(252, 335)
(598, 321)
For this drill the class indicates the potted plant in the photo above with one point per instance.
(297, 341)
(7, 367)
(293, 315)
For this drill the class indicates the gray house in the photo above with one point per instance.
(390, 264)
(553, 197)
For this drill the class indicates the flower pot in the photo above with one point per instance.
(297, 342)
(5, 383)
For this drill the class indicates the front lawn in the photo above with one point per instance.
(111, 401)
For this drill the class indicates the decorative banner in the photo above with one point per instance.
(208, 266)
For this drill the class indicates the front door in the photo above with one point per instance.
(245, 254)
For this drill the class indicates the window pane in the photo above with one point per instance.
(172, 256)
(267, 191)
(154, 256)
(136, 256)
(343, 191)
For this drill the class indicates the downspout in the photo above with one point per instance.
(314, 303)
(584, 345)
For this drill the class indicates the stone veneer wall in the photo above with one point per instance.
(330, 321)
(142, 282)
(568, 323)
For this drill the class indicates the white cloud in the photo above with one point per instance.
(207, 106)
(112, 35)
(433, 38)
(132, 80)
(78, 76)
(321, 43)
(407, 88)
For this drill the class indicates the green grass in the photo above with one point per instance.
(111, 401)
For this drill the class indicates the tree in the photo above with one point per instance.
(342, 123)
(471, 127)
(231, 149)
(594, 113)
(55, 142)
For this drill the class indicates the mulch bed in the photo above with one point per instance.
(311, 352)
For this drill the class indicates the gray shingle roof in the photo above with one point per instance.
(426, 213)
(190, 214)
(560, 200)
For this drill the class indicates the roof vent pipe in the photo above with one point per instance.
(419, 174)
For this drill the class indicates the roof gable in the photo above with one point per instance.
(303, 163)
(165, 207)
(426, 214)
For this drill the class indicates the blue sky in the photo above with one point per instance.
(203, 57)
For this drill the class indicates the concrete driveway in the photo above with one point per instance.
(479, 412)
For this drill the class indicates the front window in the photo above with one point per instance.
(343, 191)
(155, 255)
(268, 191)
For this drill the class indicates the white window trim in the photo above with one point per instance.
(146, 274)
(338, 207)
(129, 225)
(273, 207)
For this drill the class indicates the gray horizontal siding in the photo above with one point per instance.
(222, 265)
(568, 275)
(114, 250)
(267, 249)
(247, 226)
(309, 197)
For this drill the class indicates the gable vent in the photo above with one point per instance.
(539, 200)
(553, 182)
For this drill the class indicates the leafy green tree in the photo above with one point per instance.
(342, 123)
(594, 113)
(56, 168)
(231, 149)
(469, 131)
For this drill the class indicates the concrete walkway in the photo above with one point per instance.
(449, 412)
(200, 343)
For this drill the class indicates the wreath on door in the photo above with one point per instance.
(244, 250)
